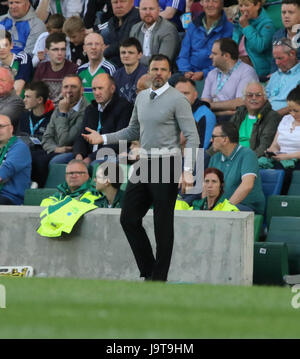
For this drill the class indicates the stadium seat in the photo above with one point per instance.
(294, 189)
(33, 197)
(272, 181)
(56, 175)
(273, 9)
(282, 206)
(270, 263)
(258, 222)
(287, 230)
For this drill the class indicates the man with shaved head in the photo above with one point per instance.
(94, 46)
(107, 113)
(15, 165)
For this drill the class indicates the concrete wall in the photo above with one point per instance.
(210, 247)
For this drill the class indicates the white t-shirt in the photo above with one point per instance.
(288, 141)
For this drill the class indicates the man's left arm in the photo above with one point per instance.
(36, 28)
(243, 189)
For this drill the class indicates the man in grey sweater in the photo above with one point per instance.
(159, 114)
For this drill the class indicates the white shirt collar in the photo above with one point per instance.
(161, 90)
(76, 107)
(102, 108)
(145, 29)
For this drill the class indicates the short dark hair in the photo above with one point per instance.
(56, 21)
(41, 89)
(292, 2)
(186, 80)
(132, 41)
(229, 46)
(55, 38)
(294, 95)
(160, 57)
(230, 130)
(74, 75)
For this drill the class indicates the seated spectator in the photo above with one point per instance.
(11, 104)
(256, 121)
(127, 77)
(286, 78)
(20, 64)
(98, 12)
(285, 148)
(54, 24)
(156, 34)
(34, 121)
(75, 30)
(240, 167)
(66, 8)
(15, 164)
(205, 119)
(253, 32)
(107, 113)
(290, 16)
(213, 197)
(78, 184)
(53, 72)
(23, 24)
(63, 128)
(93, 47)
(212, 24)
(125, 15)
(225, 84)
(109, 177)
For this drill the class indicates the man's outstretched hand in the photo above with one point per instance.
(93, 137)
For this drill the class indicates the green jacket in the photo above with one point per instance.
(117, 203)
(264, 129)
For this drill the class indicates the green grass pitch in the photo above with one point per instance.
(82, 308)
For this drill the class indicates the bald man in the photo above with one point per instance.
(15, 165)
(107, 113)
(93, 47)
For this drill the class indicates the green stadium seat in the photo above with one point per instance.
(294, 189)
(33, 197)
(258, 223)
(273, 9)
(287, 230)
(56, 175)
(282, 206)
(270, 263)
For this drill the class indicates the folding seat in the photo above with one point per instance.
(270, 263)
(282, 206)
(56, 175)
(272, 181)
(33, 197)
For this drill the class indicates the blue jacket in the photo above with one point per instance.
(15, 170)
(197, 44)
(258, 41)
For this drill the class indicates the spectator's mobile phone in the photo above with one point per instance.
(270, 154)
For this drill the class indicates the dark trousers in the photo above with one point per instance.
(138, 198)
(40, 162)
(5, 201)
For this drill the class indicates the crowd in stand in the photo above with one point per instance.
(69, 65)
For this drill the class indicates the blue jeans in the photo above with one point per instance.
(62, 158)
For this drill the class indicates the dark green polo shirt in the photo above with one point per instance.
(241, 161)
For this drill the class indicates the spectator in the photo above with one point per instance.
(97, 12)
(225, 84)
(66, 8)
(143, 83)
(75, 30)
(35, 119)
(63, 128)
(23, 24)
(20, 64)
(53, 72)
(118, 27)
(212, 24)
(107, 113)
(205, 119)
(213, 198)
(286, 78)
(285, 148)
(77, 185)
(256, 121)
(253, 32)
(109, 177)
(156, 34)
(290, 16)
(15, 164)
(126, 77)
(94, 47)
(240, 167)
(11, 104)
(54, 24)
